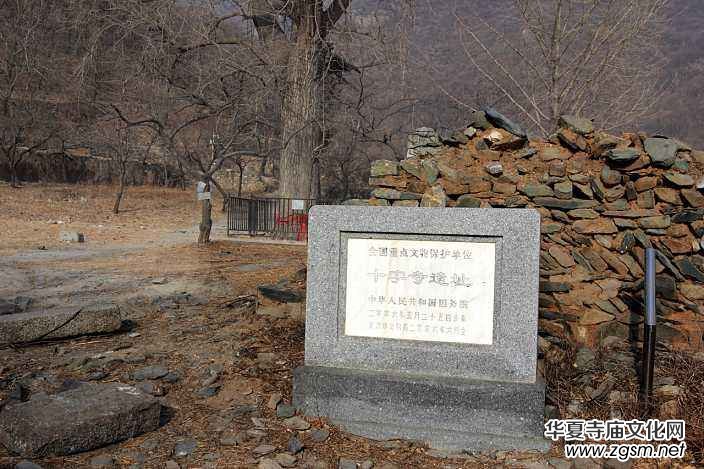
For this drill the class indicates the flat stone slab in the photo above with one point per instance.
(64, 322)
(81, 419)
(449, 414)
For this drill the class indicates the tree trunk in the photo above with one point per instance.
(206, 222)
(14, 178)
(239, 182)
(300, 112)
(118, 196)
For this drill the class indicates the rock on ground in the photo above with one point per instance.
(88, 417)
(59, 323)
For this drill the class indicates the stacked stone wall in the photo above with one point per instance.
(602, 199)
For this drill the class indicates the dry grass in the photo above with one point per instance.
(565, 383)
(33, 215)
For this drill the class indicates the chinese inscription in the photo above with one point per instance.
(440, 291)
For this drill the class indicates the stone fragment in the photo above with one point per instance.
(572, 140)
(71, 236)
(550, 228)
(585, 213)
(470, 132)
(294, 445)
(551, 202)
(413, 166)
(692, 292)
(688, 216)
(184, 448)
(320, 434)
(646, 183)
(662, 221)
(448, 172)
(494, 168)
(87, 417)
(678, 246)
(285, 411)
(596, 226)
(430, 171)
(625, 223)
(266, 463)
(630, 213)
(610, 177)
(525, 153)
(504, 188)
(477, 184)
(553, 152)
(646, 200)
(434, 197)
(286, 460)
(693, 197)
(405, 203)
(296, 423)
(468, 201)
(59, 323)
(594, 316)
(537, 190)
(612, 260)
(563, 190)
(557, 169)
(631, 193)
(614, 194)
(690, 269)
(423, 137)
(456, 138)
(553, 287)
(679, 179)
(480, 121)
(150, 372)
(357, 202)
(666, 286)
(598, 189)
(662, 151)
(622, 155)
(577, 124)
(562, 256)
(583, 191)
(263, 450)
(597, 263)
(380, 168)
(502, 140)
(499, 120)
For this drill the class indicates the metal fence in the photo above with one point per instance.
(279, 218)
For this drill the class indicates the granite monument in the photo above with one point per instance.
(422, 324)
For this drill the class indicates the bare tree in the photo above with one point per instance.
(26, 69)
(124, 146)
(589, 57)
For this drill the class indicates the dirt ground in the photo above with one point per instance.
(142, 259)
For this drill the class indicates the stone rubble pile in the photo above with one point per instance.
(602, 198)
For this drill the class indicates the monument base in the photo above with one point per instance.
(449, 414)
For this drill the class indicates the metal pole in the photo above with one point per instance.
(648, 365)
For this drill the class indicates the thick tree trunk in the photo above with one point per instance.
(206, 222)
(300, 113)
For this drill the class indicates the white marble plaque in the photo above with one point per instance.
(440, 291)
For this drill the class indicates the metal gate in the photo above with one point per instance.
(279, 218)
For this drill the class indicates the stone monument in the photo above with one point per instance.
(422, 324)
